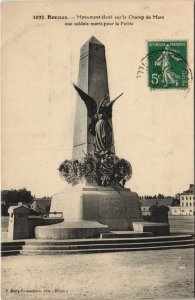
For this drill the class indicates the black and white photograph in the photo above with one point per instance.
(97, 132)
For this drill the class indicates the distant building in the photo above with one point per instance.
(187, 201)
(175, 210)
(41, 204)
(186, 207)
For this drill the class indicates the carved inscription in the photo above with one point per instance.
(111, 208)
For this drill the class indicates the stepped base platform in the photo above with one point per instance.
(71, 230)
(115, 208)
(91, 211)
(124, 234)
(83, 246)
(11, 248)
(157, 229)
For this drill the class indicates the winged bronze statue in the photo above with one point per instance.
(99, 126)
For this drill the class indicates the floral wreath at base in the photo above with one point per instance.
(106, 170)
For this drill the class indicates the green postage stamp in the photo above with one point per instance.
(167, 65)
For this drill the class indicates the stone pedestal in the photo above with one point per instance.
(157, 229)
(159, 214)
(115, 208)
(91, 211)
(18, 227)
(76, 229)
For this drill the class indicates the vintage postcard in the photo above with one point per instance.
(97, 194)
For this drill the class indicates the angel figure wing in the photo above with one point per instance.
(90, 103)
(108, 107)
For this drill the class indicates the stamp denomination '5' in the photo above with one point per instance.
(167, 65)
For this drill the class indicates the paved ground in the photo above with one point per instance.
(129, 275)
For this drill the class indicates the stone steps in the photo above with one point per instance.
(50, 247)
(11, 248)
(101, 250)
(98, 245)
(108, 240)
(124, 234)
(10, 252)
(105, 246)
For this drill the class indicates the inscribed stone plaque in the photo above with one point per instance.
(111, 208)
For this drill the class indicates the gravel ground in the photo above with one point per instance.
(129, 275)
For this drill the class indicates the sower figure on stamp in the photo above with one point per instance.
(99, 126)
(169, 77)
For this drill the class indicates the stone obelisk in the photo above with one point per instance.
(93, 80)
